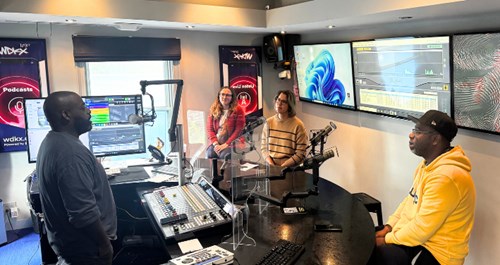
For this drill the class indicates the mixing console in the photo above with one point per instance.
(188, 208)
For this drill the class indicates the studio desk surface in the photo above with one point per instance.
(334, 205)
(352, 246)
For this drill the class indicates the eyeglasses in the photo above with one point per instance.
(225, 95)
(419, 131)
(280, 101)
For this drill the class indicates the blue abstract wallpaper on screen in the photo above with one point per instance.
(477, 81)
(324, 74)
(321, 82)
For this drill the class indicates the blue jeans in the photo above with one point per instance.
(212, 154)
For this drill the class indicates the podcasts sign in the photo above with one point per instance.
(23, 74)
(240, 71)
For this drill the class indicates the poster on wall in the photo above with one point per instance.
(240, 68)
(23, 74)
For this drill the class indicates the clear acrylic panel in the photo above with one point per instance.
(246, 174)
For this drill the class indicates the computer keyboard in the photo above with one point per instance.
(282, 253)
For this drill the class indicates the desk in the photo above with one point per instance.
(352, 246)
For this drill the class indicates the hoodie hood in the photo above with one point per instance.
(454, 157)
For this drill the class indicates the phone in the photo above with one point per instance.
(157, 154)
(328, 227)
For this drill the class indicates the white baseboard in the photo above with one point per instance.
(17, 224)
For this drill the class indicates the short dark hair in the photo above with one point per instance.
(290, 98)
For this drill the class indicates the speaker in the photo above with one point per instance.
(279, 47)
(273, 48)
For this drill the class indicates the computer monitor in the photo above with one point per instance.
(324, 74)
(37, 126)
(402, 76)
(111, 132)
(476, 85)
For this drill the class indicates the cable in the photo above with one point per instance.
(11, 226)
(36, 250)
(119, 252)
(131, 216)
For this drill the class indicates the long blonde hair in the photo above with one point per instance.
(217, 109)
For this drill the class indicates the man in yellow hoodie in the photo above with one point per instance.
(435, 220)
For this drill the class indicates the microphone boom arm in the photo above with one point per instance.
(177, 100)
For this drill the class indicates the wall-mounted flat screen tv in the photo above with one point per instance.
(476, 81)
(402, 76)
(324, 74)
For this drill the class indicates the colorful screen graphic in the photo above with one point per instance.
(476, 81)
(22, 75)
(403, 76)
(324, 74)
(243, 81)
(111, 133)
(240, 70)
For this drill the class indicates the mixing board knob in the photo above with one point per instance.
(213, 216)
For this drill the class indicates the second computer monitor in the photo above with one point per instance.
(111, 132)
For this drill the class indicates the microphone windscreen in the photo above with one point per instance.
(334, 127)
(134, 119)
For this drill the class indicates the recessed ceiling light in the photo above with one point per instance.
(70, 20)
(190, 27)
(283, 32)
(405, 17)
(330, 26)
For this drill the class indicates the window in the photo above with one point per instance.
(123, 77)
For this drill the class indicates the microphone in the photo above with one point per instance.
(138, 119)
(325, 132)
(252, 125)
(309, 162)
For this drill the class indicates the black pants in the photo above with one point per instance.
(392, 254)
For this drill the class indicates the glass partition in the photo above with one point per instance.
(246, 175)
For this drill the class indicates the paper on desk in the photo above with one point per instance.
(248, 166)
(159, 177)
(190, 245)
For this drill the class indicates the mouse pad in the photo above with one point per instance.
(130, 174)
